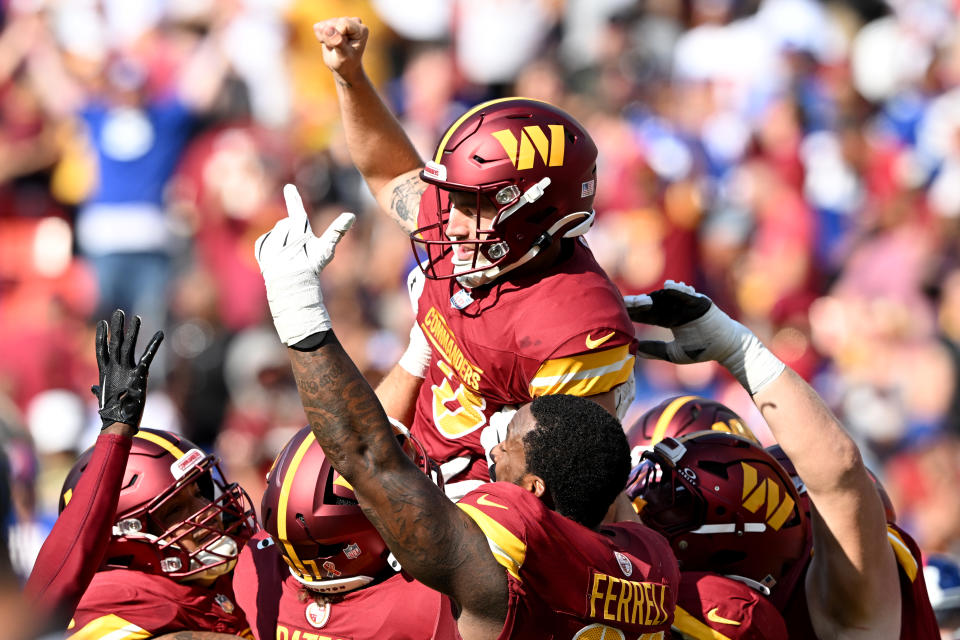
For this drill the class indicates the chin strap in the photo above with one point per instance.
(478, 278)
(753, 584)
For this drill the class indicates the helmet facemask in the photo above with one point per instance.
(530, 163)
(216, 530)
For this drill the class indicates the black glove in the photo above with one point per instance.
(123, 385)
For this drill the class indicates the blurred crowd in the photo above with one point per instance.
(798, 161)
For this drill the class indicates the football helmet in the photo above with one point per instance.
(724, 504)
(164, 468)
(533, 163)
(680, 415)
(889, 511)
(315, 520)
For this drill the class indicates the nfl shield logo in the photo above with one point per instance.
(461, 300)
(352, 551)
(224, 603)
(318, 614)
(625, 565)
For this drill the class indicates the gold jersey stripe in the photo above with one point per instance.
(584, 382)
(902, 551)
(507, 548)
(558, 367)
(110, 627)
(690, 626)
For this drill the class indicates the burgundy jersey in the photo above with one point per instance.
(122, 604)
(562, 330)
(399, 608)
(917, 620)
(714, 607)
(567, 581)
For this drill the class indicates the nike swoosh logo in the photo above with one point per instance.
(593, 344)
(713, 616)
(482, 500)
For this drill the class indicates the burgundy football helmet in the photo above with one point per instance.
(890, 512)
(724, 504)
(162, 469)
(313, 516)
(682, 415)
(533, 163)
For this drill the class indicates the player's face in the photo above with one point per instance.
(509, 457)
(178, 508)
(462, 223)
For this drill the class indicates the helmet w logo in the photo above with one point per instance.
(757, 492)
(533, 141)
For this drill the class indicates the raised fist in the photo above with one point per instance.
(343, 40)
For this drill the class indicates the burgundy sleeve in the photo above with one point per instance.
(73, 551)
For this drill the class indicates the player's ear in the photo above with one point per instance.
(534, 484)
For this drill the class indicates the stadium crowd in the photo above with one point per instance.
(795, 160)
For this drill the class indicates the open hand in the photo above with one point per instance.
(122, 391)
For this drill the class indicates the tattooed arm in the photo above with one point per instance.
(436, 542)
(377, 143)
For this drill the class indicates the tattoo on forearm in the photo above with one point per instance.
(405, 202)
(425, 530)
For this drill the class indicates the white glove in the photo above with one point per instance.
(416, 358)
(703, 332)
(291, 259)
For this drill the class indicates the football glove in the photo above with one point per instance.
(122, 391)
(291, 259)
(702, 332)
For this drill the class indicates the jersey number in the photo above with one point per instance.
(603, 632)
(457, 413)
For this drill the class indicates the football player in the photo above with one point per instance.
(519, 558)
(148, 529)
(862, 578)
(73, 550)
(321, 568)
(514, 305)
(174, 540)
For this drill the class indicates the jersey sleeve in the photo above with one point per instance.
(114, 610)
(714, 607)
(585, 365)
(502, 524)
(72, 553)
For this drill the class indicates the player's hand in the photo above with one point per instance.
(702, 332)
(343, 40)
(122, 391)
(291, 259)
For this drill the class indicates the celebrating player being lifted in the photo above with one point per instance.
(519, 558)
(497, 212)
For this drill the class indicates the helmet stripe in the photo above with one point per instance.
(285, 498)
(160, 441)
(667, 416)
(470, 112)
